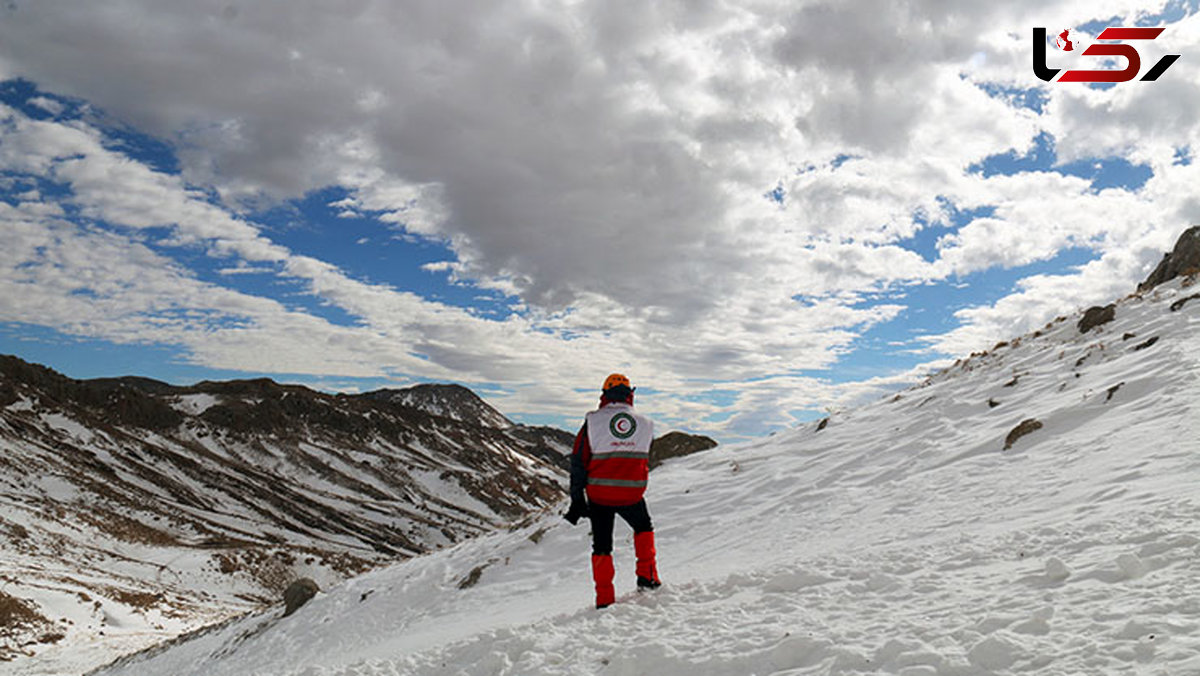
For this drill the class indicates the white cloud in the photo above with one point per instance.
(640, 150)
(47, 104)
(605, 164)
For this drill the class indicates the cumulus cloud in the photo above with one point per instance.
(495, 126)
(606, 163)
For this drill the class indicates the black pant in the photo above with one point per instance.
(603, 517)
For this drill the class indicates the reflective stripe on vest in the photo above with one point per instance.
(620, 483)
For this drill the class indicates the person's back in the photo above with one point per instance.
(610, 467)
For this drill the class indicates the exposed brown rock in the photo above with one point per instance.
(1184, 259)
(297, 594)
(1148, 343)
(1026, 426)
(1097, 316)
(677, 444)
(1178, 305)
(472, 578)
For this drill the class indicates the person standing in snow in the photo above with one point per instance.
(610, 465)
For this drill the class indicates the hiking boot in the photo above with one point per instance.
(647, 568)
(646, 584)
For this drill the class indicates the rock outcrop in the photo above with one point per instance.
(1027, 426)
(1096, 316)
(297, 594)
(676, 445)
(1184, 259)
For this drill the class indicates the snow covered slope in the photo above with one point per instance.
(132, 511)
(900, 538)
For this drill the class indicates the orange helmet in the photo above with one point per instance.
(615, 380)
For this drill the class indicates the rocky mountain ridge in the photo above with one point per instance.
(132, 509)
(450, 401)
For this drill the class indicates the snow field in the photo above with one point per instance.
(897, 612)
(903, 538)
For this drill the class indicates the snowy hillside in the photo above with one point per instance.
(132, 511)
(900, 538)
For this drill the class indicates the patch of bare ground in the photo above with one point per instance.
(138, 600)
(16, 538)
(21, 626)
(274, 569)
(126, 528)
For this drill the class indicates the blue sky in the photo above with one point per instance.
(229, 199)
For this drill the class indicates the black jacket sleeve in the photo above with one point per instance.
(579, 465)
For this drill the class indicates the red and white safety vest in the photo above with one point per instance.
(619, 463)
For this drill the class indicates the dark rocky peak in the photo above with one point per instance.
(249, 388)
(263, 406)
(1184, 259)
(444, 400)
(678, 444)
(147, 385)
(106, 400)
(18, 370)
